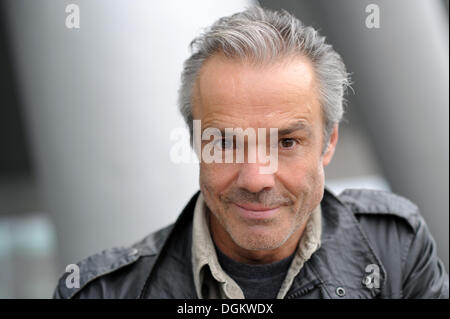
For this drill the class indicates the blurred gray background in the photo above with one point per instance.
(86, 116)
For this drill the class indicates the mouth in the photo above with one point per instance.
(256, 211)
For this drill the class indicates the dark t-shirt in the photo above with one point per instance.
(256, 281)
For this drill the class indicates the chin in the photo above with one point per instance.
(259, 237)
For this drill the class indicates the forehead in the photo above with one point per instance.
(239, 93)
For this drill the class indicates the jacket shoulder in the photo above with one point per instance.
(381, 203)
(81, 276)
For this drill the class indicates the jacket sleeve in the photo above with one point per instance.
(424, 273)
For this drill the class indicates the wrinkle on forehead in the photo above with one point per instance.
(233, 89)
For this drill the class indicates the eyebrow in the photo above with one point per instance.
(298, 126)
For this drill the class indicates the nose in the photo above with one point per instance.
(252, 180)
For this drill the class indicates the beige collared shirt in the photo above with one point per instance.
(212, 282)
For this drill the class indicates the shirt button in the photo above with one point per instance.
(340, 291)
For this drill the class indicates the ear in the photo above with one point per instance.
(328, 155)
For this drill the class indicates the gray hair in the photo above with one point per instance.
(262, 35)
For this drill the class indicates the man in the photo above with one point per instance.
(250, 233)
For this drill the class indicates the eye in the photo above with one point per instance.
(287, 143)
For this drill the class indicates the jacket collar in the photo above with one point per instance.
(173, 260)
(344, 261)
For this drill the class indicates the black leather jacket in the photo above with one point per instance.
(374, 245)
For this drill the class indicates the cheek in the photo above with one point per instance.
(301, 177)
(215, 178)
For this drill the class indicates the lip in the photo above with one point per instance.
(255, 211)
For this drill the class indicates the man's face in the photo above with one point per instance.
(250, 210)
